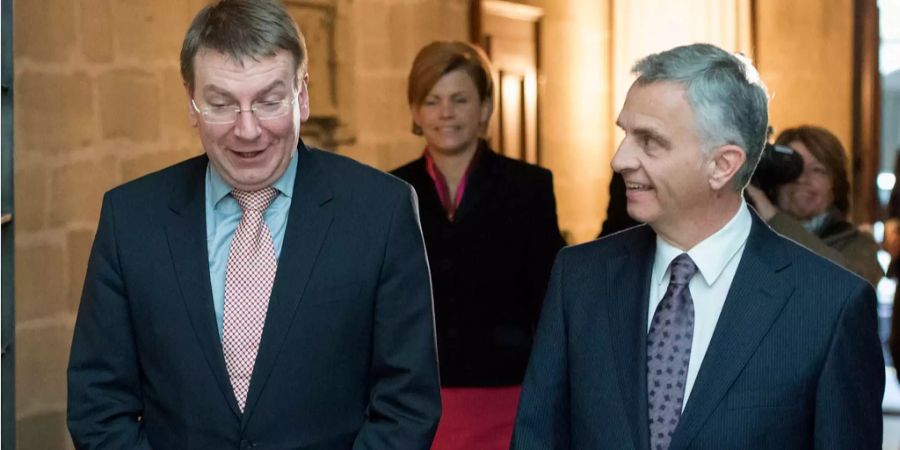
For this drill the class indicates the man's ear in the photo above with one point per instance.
(192, 113)
(303, 99)
(725, 162)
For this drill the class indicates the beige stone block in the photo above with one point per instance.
(175, 107)
(142, 165)
(362, 153)
(44, 30)
(411, 26)
(76, 191)
(42, 431)
(42, 354)
(374, 48)
(31, 198)
(78, 250)
(54, 112)
(130, 105)
(40, 284)
(96, 30)
(400, 152)
(383, 109)
(150, 30)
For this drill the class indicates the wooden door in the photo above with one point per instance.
(509, 34)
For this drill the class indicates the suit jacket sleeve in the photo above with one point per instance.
(851, 385)
(104, 400)
(404, 403)
(542, 420)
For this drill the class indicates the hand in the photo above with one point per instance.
(763, 205)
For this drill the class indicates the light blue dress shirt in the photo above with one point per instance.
(223, 214)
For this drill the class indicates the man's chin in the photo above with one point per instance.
(639, 211)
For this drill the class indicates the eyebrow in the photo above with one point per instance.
(648, 132)
(452, 94)
(213, 89)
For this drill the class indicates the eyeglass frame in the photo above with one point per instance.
(253, 108)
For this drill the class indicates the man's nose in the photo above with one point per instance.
(247, 125)
(623, 159)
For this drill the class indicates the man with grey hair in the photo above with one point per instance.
(703, 328)
(265, 295)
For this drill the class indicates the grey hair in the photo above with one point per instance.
(242, 29)
(725, 92)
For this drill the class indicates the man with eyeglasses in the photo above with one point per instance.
(263, 295)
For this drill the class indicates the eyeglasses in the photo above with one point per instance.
(222, 114)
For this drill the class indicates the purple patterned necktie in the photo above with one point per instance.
(669, 353)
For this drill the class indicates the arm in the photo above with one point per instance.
(851, 385)
(894, 337)
(404, 400)
(104, 399)
(544, 241)
(858, 256)
(542, 421)
(861, 254)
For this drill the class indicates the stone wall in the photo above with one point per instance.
(98, 100)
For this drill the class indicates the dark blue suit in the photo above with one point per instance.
(347, 357)
(794, 362)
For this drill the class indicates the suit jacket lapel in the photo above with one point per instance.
(309, 219)
(425, 191)
(756, 297)
(628, 287)
(186, 233)
(481, 180)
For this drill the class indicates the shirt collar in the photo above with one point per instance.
(712, 254)
(284, 184)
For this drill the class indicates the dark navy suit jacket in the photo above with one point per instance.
(794, 362)
(347, 357)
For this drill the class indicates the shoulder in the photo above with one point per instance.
(631, 241)
(410, 169)
(342, 167)
(355, 182)
(520, 171)
(150, 186)
(809, 271)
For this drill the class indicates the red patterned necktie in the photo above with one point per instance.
(248, 284)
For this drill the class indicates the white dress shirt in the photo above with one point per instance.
(717, 258)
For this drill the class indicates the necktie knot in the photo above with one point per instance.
(254, 200)
(682, 270)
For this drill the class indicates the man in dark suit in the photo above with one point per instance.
(703, 329)
(264, 295)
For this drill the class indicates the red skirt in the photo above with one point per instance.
(477, 418)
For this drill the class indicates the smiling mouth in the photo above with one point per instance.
(247, 155)
(637, 187)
